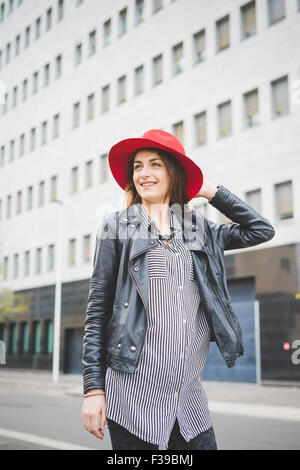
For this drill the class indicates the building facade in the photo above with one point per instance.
(76, 76)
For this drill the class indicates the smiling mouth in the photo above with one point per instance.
(146, 186)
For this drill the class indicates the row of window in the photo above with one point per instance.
(11, 4)
(279, 102)
(276, 12)
(74, 187)
(283, 193)
(157, 5)
(28, 338)
(28, 269)
(199, 42)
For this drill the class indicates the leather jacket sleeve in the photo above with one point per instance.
(249, 228)
(99, 307)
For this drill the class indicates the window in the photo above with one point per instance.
(60, 10)
(24, 338)
(29, 197)
(12, 151)
(48, 19)
(248, 15)
(32, 139)
(199, 46)
(223, 36)
(35, 82)
(298, 4)
(26, 263)
(58, 66)
(76, 115)
(178, 131)
(253, 199)
(25, 89)
(41, 193)
(50, 257)
(103, 167)
(139, 11)
(27, 36)
(37, 28)
(10, 6)
(251, 108)
(92, 42)
(224, 115)
(122, 21)
(38, 260)
(53, 188)
(2, 12)
(7, 52)
(280, 97)
(106, 33)
(2, 155)
(88, 174)
(44, 133)
(18, 44)
(284, 200)
(5, 268)
(90, 107)
(157, 5)
(78, 54)
(105, 99)
(276, 10)
(8, 206)
(122, 89)
(36, 337)
(56, 120)
(16, 266)
(13, 346)
(139, 80)
(72, 252)
(86, 248)
(74, 180)
(200, 123)
(22, 145)
(49, 337)
(157, 70)
(177, 58)
(15, 97)
(46, 74)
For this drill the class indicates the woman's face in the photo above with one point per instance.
(149, 167)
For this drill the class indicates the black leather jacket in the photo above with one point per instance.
(116, 319)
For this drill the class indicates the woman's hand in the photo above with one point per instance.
(94, 408)
(208, 190)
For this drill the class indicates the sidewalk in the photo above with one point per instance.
(276, 402)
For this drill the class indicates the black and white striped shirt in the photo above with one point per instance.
(167, 382)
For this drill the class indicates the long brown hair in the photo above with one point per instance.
(177, 188)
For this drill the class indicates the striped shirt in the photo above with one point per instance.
(167, 382)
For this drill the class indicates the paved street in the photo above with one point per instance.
(36, 414)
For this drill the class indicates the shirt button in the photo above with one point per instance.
(136, 268)
(132, 348)
(184, 320)
(119, 345)
(126, 304)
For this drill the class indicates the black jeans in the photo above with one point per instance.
(122, 439)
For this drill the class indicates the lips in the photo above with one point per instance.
(147, 185)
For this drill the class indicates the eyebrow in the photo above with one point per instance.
(151, 160)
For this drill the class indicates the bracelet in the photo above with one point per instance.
(93, 394)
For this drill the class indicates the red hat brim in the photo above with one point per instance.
(120, 153)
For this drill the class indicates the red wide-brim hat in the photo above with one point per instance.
(120, 153)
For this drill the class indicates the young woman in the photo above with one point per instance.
(158, 296)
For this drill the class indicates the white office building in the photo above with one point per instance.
(77, 76)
